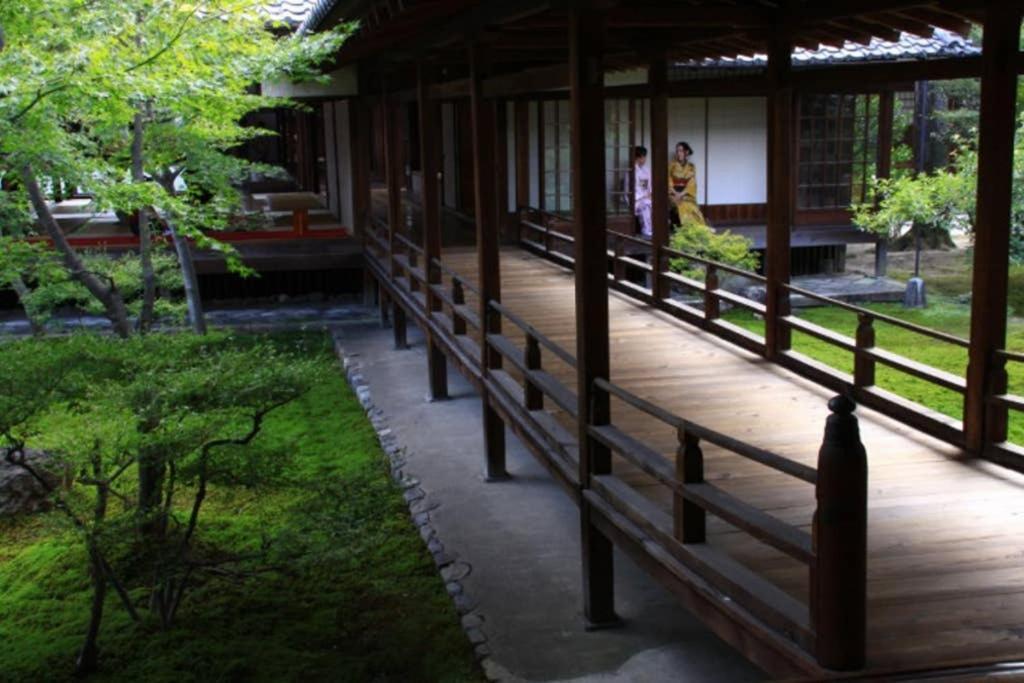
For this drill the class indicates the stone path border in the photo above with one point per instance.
(452, 569)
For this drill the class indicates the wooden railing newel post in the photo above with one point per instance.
(618, 267)
(864, 365)
(711, 307)
(839, 574)
(690, 520)
(533, 396)
(998, 414)
(459, 299)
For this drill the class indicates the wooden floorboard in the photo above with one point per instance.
(946, 536)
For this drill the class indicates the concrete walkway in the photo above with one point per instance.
(517, 545)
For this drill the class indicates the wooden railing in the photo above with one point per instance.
(1001, 402)
(829, 625)
(628, 253)
(832, 623)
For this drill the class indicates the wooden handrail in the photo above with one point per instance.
(408, 243)
(454, 276)
(860, 310)
(529, 329)
(767, 458)
(1015, 356)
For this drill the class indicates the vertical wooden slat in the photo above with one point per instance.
(690, 519)
(534, 397)
(864, 365)
(393, 176)
(501, 168)
(586, 84)
(883, 168)
(488, 256)
(985, 423)
(658, 160)
(780, 194)
(522, 154)
(359, 125)
(430, 164)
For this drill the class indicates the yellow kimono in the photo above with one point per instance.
(682, 181)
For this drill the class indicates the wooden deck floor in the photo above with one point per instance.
(946, 536)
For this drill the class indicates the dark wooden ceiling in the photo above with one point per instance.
(532, 32)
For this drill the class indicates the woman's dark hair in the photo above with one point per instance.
(639, 151)
(686, 146)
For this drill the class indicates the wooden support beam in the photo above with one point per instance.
(488, 256)
(430, 163)
(501, 169)
(657, 78)
(884, 167)
(359, 124)
(522, 154)
(394, 174)
(781, 158)
(986, 375)
(586, 78)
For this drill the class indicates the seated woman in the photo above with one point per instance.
(682, 185)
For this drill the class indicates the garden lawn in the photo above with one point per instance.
(347, 592)
(943, 313)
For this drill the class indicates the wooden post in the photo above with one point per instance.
(711, 303)
(398, 325)
(840, 537)
(488, 255)
(781, 187)
(430, 164)
(522, 155)
(863, 365)
(984, 423)
(534, 397)
(393, 175)
(618, 267)
(883, 169)
(690, 520)
(359, 125)
(586, 87)
(459, 299)
(501, 205)
(658, 159)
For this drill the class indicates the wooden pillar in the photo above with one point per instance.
(501, 168)
(657, 76)
(781, 162)
(430, 166)
(359, 127)
(986, 375)
(586, 85)
(884, 169)
(392, 174)
(393, 154)
(522, 154)
(488, 256)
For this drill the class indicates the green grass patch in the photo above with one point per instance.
(347, 591)
(944, 313)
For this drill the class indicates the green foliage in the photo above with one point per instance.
(76, 79)
(701, 240)
(937, 202)
(346, 590)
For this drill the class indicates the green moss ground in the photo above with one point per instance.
(355, 596)
(943, 313)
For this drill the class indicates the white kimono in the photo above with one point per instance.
(642, 198)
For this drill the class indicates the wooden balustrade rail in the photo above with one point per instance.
(632, 252)
(833, 625)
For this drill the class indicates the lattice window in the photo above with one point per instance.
(556, 161)
(838, 149)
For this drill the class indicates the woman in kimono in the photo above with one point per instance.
(682, 185)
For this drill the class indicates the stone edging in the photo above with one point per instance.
(452, 569)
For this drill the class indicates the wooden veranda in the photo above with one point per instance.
(724, 462)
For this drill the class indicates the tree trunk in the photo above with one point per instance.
(22, 291)
(193, 297)
(145, 241)
(111, 299)
(88, 657)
